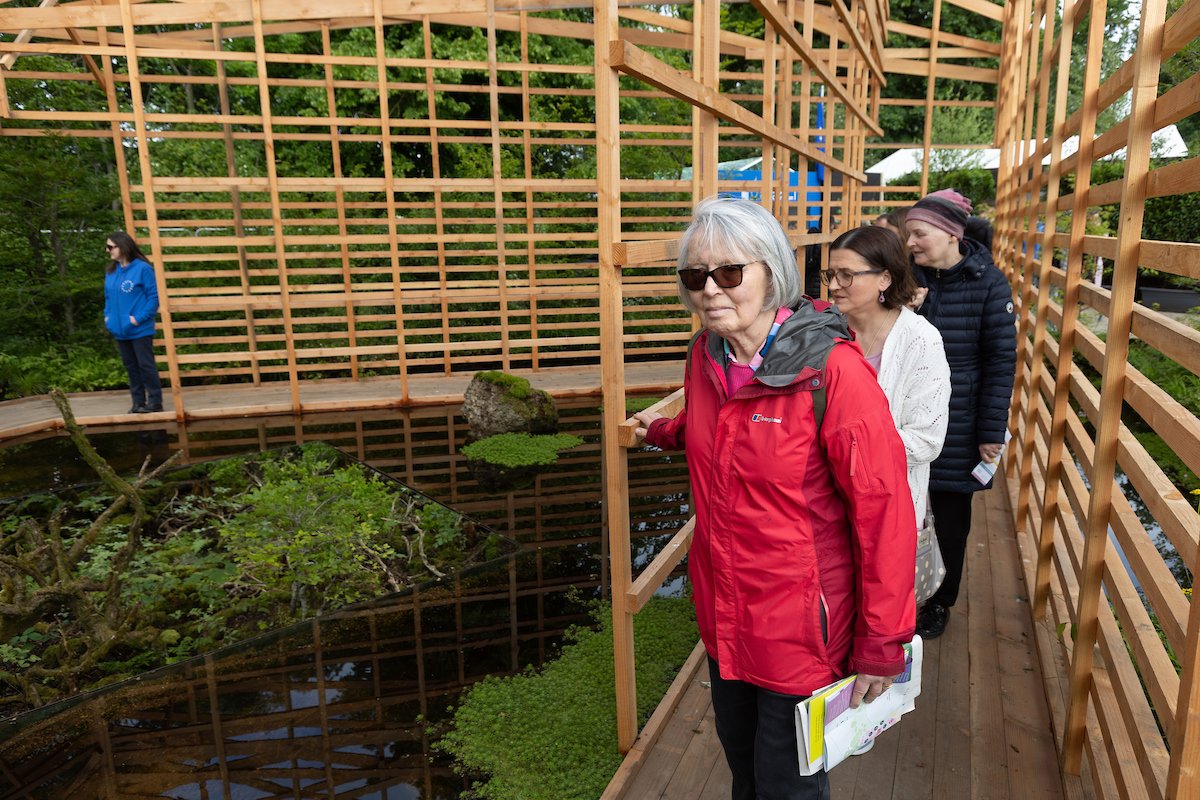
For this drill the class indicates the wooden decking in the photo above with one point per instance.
(981, 730)
(32, 414)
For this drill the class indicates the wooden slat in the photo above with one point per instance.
(631, 60)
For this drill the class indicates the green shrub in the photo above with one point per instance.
(520, 449)
(977, 185)
(552, 735)
(72, 369)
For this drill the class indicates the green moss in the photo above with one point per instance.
(520, 449)
(517, 387)
(552, 735)
(636, 404)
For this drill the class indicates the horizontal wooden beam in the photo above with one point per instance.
(956, 71)
(652, 577)
(772, 12)
(631, 60)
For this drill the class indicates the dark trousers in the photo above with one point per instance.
(138, 357)
(757, 729)
(952, 521)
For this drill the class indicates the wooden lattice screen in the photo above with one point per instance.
(1087, 456)
(386, 188)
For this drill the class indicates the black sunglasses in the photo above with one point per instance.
(726, 276)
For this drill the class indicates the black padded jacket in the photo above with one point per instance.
(971, 304)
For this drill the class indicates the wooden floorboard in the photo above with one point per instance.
(989, 755)
(30, 415)
(981, 728)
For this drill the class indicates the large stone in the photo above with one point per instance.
(496, 403)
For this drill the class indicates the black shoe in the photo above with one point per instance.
(136, 409)
(154, 408)
(932, 620)
(147, 409)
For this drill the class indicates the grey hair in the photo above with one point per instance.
(730, 226)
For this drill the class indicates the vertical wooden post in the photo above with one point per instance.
(1147, 59)
(612, 368)
(147, 170)
(268, 127)
(497, 185)
(239, 227)
(1183, 775)
(439, 213)
(1039, 75)
(389, 191)
(335, 154)
(1070, 303)
(935, 34)
(770, 107)
(708, 23)
(118, 139)
(530, 212)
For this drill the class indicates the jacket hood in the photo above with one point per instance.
(803, 342)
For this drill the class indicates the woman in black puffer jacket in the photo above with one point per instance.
(970, 302)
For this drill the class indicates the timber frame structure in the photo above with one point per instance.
(523, 261)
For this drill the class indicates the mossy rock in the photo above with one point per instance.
(513, 460)
(496, 403)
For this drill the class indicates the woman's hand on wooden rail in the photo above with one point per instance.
(645, 417)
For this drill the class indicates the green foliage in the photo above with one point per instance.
(1177, 381)
(78, 368)
(518, 387)
(552, 735)
(225, 549)
(636, 404)
(520, 449)
(977, 185)
(1173, 218)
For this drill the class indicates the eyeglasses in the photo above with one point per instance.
(726, 276)
(845, 277)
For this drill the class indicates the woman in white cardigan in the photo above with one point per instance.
(870, 281)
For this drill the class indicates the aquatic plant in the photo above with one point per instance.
(552, 734)
(103, 583)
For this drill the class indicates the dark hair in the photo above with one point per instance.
(897, 218)
(128, 249)
(881, 248)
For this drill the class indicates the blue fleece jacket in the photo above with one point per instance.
(130, 291)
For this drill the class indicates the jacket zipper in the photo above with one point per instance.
(824, 620)
(853, 454)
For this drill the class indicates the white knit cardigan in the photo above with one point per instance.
(916, 379)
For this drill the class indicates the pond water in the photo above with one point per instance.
(346, 705)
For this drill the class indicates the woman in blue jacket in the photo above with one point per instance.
(130, 303)
(970, 303)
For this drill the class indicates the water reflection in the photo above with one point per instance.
(347, 705)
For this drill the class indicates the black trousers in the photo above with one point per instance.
(138, 357)
(757, 729)
(952, 520)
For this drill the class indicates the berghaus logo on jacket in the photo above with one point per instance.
(765, 418)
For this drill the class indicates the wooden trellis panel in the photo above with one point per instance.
(1127, 633)
(281, 260)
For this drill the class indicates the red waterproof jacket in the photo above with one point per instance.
(804, 551)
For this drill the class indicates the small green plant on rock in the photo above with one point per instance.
(517, 387)
(520, 449)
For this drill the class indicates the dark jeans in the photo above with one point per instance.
(138, 357)
(757, 729)
(952, 521)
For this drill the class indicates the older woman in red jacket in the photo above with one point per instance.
(801, 563)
